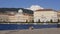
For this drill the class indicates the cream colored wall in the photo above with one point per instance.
(58, 15)
(20, 18)
(3, 18)
(47, 15)
(17, 18)
(12, 19)
(30, 18)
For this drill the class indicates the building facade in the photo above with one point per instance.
(45, 15)
(15, 15)
(3, 18)
(26, 15)
(22, 16)
(58, 14)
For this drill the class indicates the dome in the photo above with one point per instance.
(20, 11)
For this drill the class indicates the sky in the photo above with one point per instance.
(53, 4)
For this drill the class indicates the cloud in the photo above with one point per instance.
(35, 7)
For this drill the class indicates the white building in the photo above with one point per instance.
(45, 15)
(58, 14)
(3, 18)
(22, 16)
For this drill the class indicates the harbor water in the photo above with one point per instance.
(26, 26)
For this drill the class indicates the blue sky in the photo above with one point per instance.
(54, 4)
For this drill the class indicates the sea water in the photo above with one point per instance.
(25, 26)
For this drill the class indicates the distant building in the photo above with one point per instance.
(5, 13)
(3, 17)
(16, 15)
(26, 15)
(58, 14)
(22, 15)
(45, 15)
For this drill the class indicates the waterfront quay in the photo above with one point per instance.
(26, 23)
(34, 31)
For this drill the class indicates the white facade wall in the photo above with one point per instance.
(3, 18)
(17, 18)
(45, 16)
(58, 15)
(20, 17)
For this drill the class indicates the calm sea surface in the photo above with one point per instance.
(25, 26)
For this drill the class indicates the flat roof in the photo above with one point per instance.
(45, 10)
